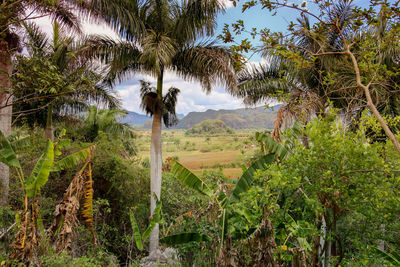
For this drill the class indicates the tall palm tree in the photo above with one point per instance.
(12, 14)
(160, 36)
(78, 87)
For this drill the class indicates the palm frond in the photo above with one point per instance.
(36, 40)
(122, 57)
(150, 102)
(207, 64)
(195, 18)
(169, 107)
(60, 11)
(158, 50)
(122, 15)
(264, 82)
(107, 121)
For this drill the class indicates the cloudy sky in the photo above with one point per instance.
(192, 98)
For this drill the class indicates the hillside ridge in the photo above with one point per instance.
(242, 118)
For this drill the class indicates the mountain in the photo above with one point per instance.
(137, 119)
(243, 118)
(209, 127)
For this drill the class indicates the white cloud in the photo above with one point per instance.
(191, 98)
(88, 27)
(227, 3)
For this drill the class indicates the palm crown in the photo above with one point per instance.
(161, 35)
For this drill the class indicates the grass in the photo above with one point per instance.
(199, 153)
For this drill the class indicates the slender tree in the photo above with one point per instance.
(12, 13)
(161, 36)
(77, 87)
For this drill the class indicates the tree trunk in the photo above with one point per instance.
(370, 103)
(5, 117)
(49, 131)
(155, 165)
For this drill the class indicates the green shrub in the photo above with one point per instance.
(64, 259)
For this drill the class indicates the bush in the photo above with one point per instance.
(64, 259)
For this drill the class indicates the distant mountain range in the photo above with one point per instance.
(243, 118)
(137, 119)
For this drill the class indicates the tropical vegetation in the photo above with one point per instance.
(79, 187)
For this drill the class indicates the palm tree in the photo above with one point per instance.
(106, 121)
(309, 88)
(78, 85)
(280, 80)
(160, 36)
(12, 14)
(304, 89)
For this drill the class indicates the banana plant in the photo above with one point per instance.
(186, 177)
(283, 148)
(27, 236)
(390, 257)
(155, 219)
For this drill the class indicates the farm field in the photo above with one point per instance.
(200, 153)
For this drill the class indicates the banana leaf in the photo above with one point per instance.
(136, 231)
(40, 173)
(7, 154)
(271, 146)
(189, 179)
(72, 160)
(156, 218)
(247, 177)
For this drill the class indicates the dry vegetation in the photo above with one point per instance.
(199, 153)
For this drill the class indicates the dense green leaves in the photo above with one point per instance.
(183, 238)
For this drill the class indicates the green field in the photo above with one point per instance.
(199, 153)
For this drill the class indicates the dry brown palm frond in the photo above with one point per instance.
(301, 106)
(66, 213)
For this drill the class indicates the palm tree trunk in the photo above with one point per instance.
(49, 131)
(155, 165)
(5, 118)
